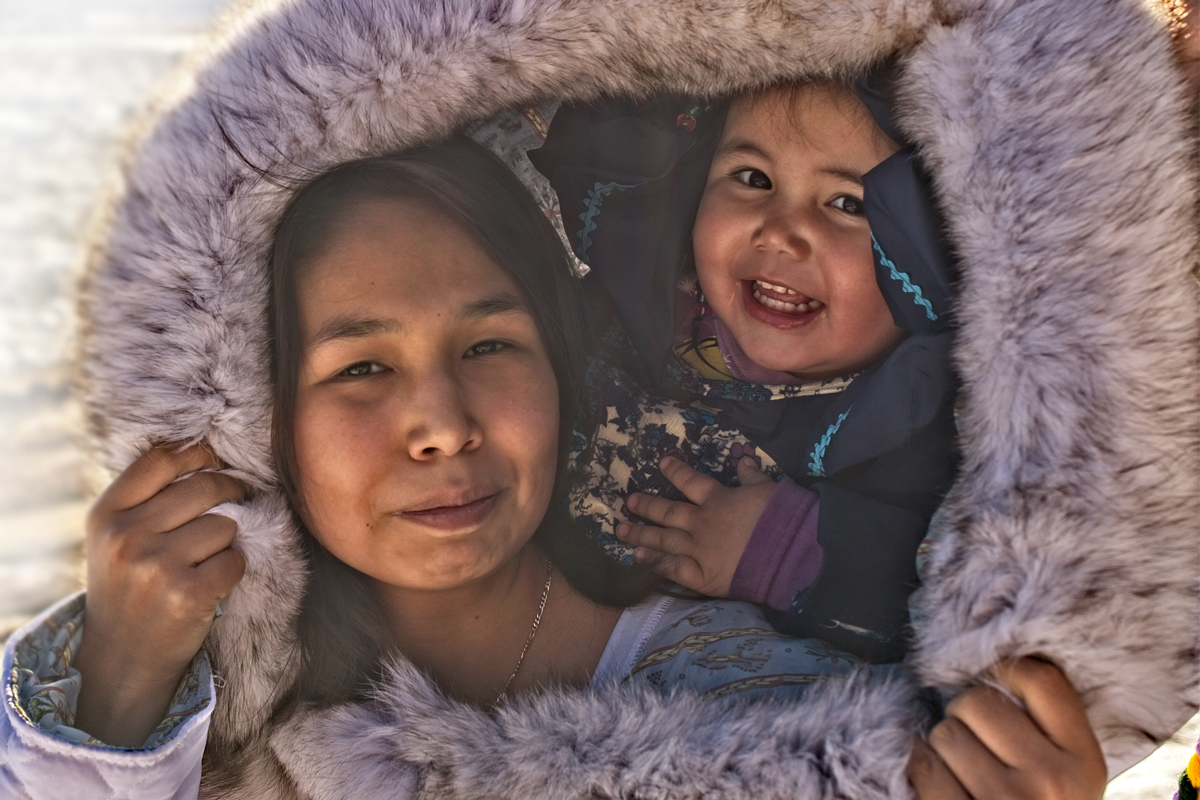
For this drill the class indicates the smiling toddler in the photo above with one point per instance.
(804, 357)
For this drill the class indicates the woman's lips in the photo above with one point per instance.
(453, 516)
(764, 302)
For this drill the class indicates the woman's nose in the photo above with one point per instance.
(438, 420)
(786, 230)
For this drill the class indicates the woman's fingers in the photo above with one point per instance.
(1006, 730)
(216, 576)
(202, 538)
(995, 749)
(183, 501)
(977, 769)
(665, 540)
(930, 776)
(151, 473)
(668, 513)
(1053, 704)
(696, 486)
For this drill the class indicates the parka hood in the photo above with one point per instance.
(1057, 139)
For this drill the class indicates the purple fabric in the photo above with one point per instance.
(709, 326)
(740, 365)
(783, 555)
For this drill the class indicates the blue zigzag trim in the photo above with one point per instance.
(906, 282)
(816, 467)
(595, 197)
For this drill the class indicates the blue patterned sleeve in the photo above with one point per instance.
(44, 686)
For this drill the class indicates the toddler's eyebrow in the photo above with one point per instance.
(740, 147)
(843, 173)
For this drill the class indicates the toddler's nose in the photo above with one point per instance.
(786, 231)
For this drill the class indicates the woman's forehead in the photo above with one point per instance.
(401, 256)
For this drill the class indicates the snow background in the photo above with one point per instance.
(74, 74)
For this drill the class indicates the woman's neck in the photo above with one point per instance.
(470, 638)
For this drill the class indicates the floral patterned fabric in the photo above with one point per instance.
(47, 686)
(635, 429)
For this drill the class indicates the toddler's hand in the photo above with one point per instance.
(987, 748)
(699, 543)
(158, 564)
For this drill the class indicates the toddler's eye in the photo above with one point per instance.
(484, 349)
(754, 178)
(362, 368)
(850, 204)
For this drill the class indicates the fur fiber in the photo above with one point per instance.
(1058, 141)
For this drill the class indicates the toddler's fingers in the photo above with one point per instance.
(696, 486)
(750, 474)
(667, 540)
(669, 513)
(679, 569)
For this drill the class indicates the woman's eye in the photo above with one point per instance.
(850, 204)
(362, 368)
(484, 348)
(754, 178)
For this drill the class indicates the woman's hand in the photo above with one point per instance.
(700, 542)
(987, 747)
(158, 564)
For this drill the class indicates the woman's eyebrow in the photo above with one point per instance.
(347, 326)
(490, 306)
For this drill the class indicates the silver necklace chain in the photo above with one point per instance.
(537, 620)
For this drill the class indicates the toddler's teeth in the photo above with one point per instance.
(783, 305)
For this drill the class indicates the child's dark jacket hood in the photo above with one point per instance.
(1057, 144)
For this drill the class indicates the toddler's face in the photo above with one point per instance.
(782, 245)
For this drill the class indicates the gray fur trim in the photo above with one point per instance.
(1059, 151)
(1073, 531)
(848, 740)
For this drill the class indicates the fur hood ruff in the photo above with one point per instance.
(1060, 152)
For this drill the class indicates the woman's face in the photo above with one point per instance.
(426, 425)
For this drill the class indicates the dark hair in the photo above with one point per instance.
(340, 626)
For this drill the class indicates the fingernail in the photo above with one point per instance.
(622, 529)
(639, 555)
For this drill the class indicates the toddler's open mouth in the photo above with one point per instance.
(779, 306)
